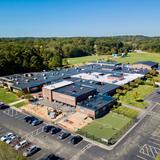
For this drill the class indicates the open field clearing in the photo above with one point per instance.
(132, 57)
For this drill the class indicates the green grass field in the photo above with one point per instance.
(107, 126)
(142, 91)
(7, 97)
(7, 153)
(158, 157)
(132, 57)
(131, 113)
(21, 104)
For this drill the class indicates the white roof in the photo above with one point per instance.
(128, 77)
(58, 85)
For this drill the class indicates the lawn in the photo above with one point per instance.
(108, 126)
(158, 157)
(129, 112)
(7, 97)
(7, 153)
(142, 91)
(21, 104)
(132, 57)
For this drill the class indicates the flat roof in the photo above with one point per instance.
(75, 90)
(96, 71)
(58, 85)
(109, 78)
(148, 63)
(96, 102)
(100, 86)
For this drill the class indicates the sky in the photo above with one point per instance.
(72, 18)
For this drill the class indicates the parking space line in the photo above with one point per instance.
(141, 157)
(154, 143)
(82, 151)
(36, 132)
(155, 139)
(19, 116)
(149, 150)
(41, 156)
(152, 153)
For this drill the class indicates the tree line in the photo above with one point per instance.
(18, 55)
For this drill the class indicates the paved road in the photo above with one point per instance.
(142, 143)
(14, 121)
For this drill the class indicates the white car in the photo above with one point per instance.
(6, 136)
(21, 144)
(10, 139)
(30, 151)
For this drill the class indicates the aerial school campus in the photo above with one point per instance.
(102, 100)
(79, 80)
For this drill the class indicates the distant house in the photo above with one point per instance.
(145, 65)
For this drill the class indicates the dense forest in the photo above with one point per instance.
(18, 55)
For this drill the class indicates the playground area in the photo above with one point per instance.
(44, 112)
(75, 121)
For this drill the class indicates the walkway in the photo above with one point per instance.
(16, 102)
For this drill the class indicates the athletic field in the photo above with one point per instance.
(108, 126)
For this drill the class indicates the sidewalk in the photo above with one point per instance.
(13, 103)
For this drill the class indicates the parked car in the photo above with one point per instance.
(51, 157)
(36, 122)
(47, 128)
(21, 144)
(55, 130)
(158, 91)
(3, 106)
(6, 136)
(29, 119)
(76, 139)
(30, 151)
(64, 135)
(10, 139)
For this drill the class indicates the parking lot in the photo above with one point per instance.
(36, 156)
(151, 148)
(49, 143)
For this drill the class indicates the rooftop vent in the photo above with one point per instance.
(27, 80)
(17, 82)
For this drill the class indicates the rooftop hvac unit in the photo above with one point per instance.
(81, 88)
(27, 80)
(17, 82)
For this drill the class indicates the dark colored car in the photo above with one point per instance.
(29, 119)
(55, 130)
(47, 128)
(51, 157)
(36, 122)
(158, 92)
(76, 139)
(64, 135)
(3, 106)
